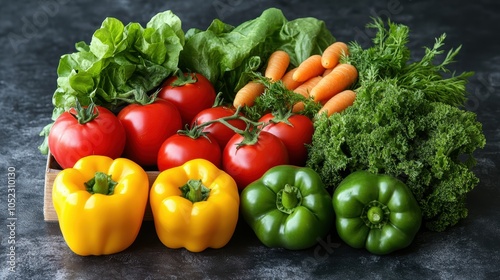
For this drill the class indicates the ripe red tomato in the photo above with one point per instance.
(179, 148)
(147, 127)
(249, 162)
(295, 135)
(219, 131)
(69, 141)
(189, 97)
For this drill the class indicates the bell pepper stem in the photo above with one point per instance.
(195, 191)
(101, 183)
(288, 199)
(375, 214)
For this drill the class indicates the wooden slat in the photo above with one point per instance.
(51, 171)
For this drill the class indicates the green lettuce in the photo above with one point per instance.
(120, 62)
(228, 55)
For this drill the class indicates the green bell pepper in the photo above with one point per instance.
(288, 207)
(377, 212)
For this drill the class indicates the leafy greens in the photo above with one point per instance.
(407, 121)
(229, 55)
(120, 63)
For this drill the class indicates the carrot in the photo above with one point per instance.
(276, 65)
(331, 55)
(288, 81)
(304, 90)
(341, 77)
(327, 71)
(247, 94)
(306, 87)
(309, 68)
(297, 107)
(338, 102)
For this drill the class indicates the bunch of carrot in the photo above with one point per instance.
(320, 77)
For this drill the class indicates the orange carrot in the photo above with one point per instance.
(341, 77)
(338, 102)
(306, 87)
(331, 56)
(276, 65)
(247, 94)
(309, 68)
(327, 71)
(304, 90)
(288, 81)
(297, 107)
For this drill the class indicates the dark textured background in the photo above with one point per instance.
(34, 34)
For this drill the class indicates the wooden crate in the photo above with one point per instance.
(51, 171)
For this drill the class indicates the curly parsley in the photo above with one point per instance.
(408, 121)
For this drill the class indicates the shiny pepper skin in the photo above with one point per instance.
(195, 206)
(288, 207)
(100, 204)
(376, 212)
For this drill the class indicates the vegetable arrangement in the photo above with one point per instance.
(408, 121)
(275, 121)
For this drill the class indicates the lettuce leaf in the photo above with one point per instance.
(120, 60)
(227, 55)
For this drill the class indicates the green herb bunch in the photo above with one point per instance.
(408, 121)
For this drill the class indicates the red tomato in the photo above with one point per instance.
(249, 162)
(179, 148)
(295, 135)
(147, 127)
(191, 97)
(69, 141)
(219, 131)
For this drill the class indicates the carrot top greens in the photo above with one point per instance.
(408, 121)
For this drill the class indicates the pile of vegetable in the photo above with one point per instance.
(273, 118)
(408, 121)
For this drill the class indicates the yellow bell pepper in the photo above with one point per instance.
(100, 204)
(195, 206)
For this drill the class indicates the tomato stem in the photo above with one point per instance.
(232, 127)
(250, 133)
(219, 100)
(85, 115)
(282, 117)
(183, 79)
(138, 96)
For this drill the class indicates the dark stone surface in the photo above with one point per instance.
(34, 34)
